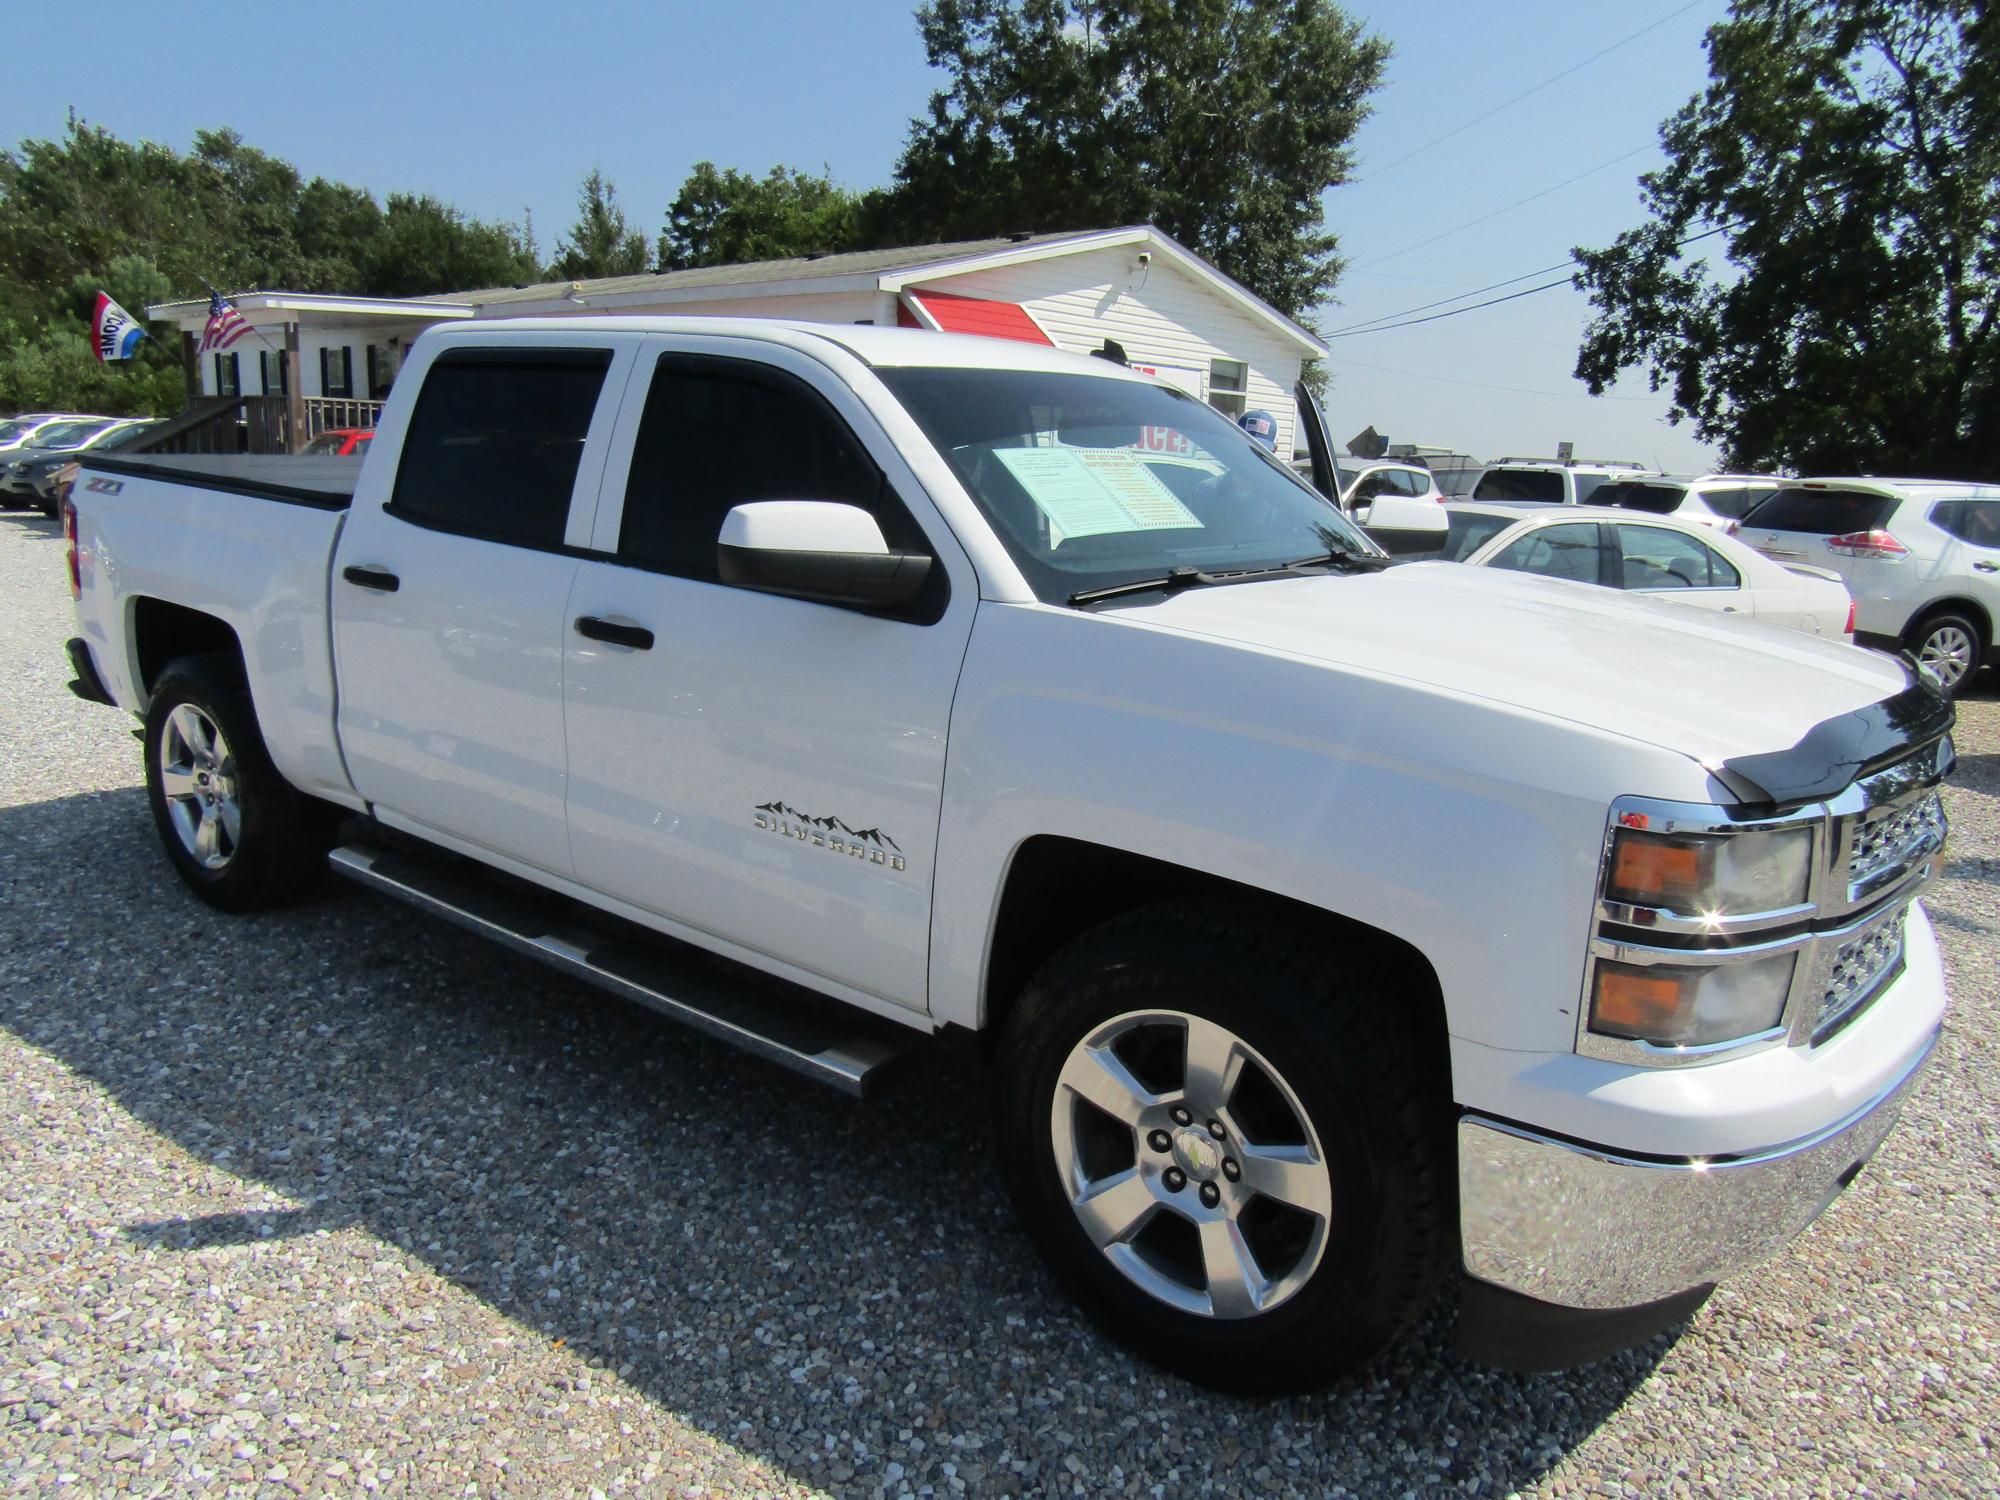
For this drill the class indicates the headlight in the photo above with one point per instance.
(1711, 875)
(1673, 1005)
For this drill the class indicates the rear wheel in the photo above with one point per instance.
(233, 827)
(1951, 646)
(1220, 1148)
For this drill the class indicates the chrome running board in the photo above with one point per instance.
(846, 1049)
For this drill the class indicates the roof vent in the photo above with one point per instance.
(1019, 235)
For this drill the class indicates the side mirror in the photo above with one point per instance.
(819, 550)
(1401, 524)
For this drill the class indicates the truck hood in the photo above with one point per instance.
(1709, 686)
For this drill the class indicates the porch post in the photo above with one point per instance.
(191, 367)
(296, 436)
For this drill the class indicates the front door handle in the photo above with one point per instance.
(373, 578)
(638, 637)
(1987, 567)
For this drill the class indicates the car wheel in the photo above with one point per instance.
(1217, 1140)
(1951, 647)
(234, 828)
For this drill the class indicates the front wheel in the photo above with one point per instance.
(1221, 1148)
(233, 827)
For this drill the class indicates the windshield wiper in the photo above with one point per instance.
(1343, 560)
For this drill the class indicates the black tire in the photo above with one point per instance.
(1946, 641)
(1328, 1024)
(279, 848)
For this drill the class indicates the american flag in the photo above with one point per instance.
(225, 324)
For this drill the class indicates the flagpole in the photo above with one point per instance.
(246, 322)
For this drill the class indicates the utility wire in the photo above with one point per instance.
(1517, 390)
(1547, 286)
(1383, 323)
(1509, 208)
(1527, 94)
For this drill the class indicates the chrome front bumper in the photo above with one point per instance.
(1582, 1227)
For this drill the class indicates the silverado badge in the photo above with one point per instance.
(870, 844)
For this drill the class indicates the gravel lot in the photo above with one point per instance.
(342, 1200)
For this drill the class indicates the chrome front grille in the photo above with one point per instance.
(1856, 971)
(1889, 845)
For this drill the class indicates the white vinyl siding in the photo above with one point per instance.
(1160, 314)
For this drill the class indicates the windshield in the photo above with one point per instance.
(1658, 499)
(13, 432)
(1092, 481)
(1519, 484)
(126, 436)
(68, 434)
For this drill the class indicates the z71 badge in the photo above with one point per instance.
(870, 844)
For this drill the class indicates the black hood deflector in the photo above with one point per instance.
(1836, 753)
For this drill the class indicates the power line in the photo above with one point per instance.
(1370, 325)
(1529, 93)
(1547, 286)
(1509, 208)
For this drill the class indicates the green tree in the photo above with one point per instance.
(1220, 121)
(722, 218)
(600, 243)
(424, 246)
(1845, 156)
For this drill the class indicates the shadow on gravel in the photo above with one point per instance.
(807, 1278)
(32, 525)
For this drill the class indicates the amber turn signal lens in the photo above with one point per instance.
(1637, 1004)
(1650, 871)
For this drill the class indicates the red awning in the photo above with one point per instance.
(993, 320)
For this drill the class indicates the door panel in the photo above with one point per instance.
(770, 771)
(448, 598)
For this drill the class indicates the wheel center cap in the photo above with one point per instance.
(1197, 1155)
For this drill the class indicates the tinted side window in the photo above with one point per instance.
(1735, 504)
(1974, 521)
(1519, 484)
(717, 433)
(1566, 551)
(1659, 499)
(1654, 558)
(495, 440)
(1820, 512)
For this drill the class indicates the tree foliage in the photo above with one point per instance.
(147, 223)
(600, 243)
(1220, 121)
(727, 217)
(1847, 155)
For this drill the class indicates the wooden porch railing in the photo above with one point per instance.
(254, 424)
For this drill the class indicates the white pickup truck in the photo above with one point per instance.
(1339, 935)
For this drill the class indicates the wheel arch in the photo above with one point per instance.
(1955, 604)
(162, 631)
(1058, 888)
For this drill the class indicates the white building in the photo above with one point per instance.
(1168, 309)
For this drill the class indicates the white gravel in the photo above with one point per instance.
(339, 1200)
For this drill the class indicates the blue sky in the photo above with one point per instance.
(502, 107)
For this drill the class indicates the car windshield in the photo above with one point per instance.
(1659, 499)
(68, 434)
(13, 432)
(124, 437)
(1467, 531)
(1093, 481)
(1519, 484)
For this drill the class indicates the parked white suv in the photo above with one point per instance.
(1920, 556)
(1707, 499)
(1548, 482)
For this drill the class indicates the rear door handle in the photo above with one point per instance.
(373, 578)
(638, 637)
(1987, 567)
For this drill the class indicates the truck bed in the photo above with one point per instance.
(319, 480)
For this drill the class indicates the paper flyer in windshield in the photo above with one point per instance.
(1095, 491)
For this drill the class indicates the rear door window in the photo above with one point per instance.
(1973, 521)
(1733, 504)
(1652, 557)
(1570, 550)
(1820, 512)
(1519, 484)
(493, 446)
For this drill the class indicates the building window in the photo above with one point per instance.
(228, 375)
(275, 371)
(1228, 386)
(336, 372)
(381, 372)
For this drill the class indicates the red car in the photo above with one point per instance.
(341, 442)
